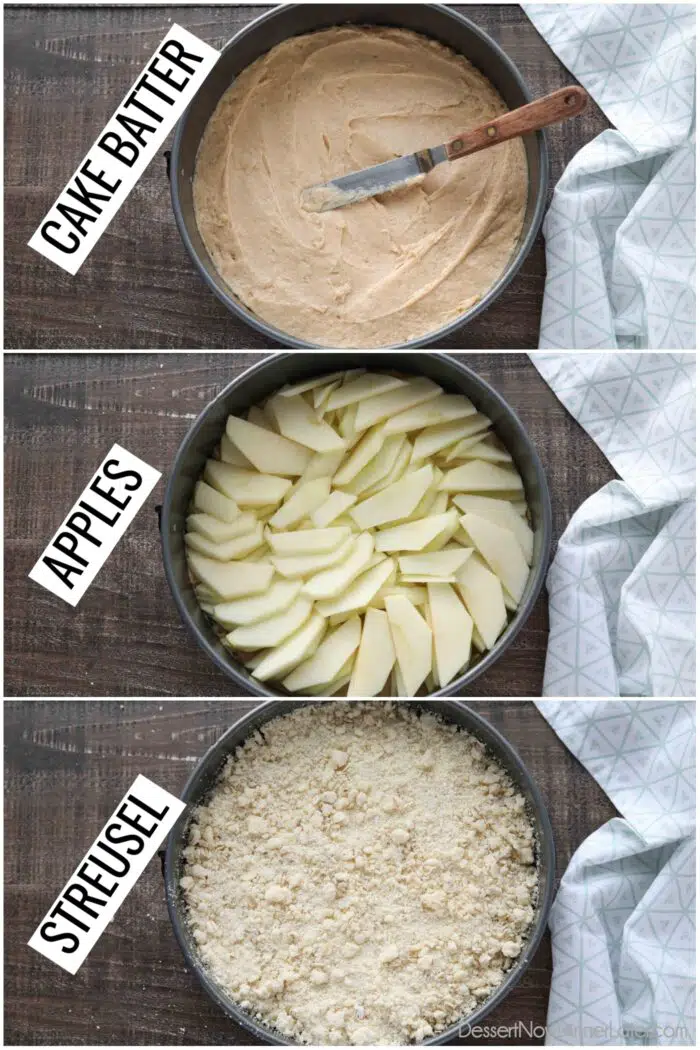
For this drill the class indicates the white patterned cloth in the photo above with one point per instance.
(623, 921)
(622, 583)
(620, 232)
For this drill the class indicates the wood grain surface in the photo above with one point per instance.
(125, 638)
(66, 68)
(66, 766)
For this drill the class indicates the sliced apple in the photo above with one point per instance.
(307, 541)
(260, 418)
(210, 501)
(378, 468)
(395, 501)
(397, 471)
(442, 409)
(489, 453)
(309, 384)
(361, 591)
(501, 551)
(246, 487)
(482, 593)
(438, 437)
(328, 660)
(375, 657)
(230, 580)
(500, 512)
(301, 503)
(274, 630)
(435, 563)
(276, 600)
(415, 535)
(218, 531)
(320, 396)
(366, 449)
(369, 385)
(336, 504)
(297, 421)
(477, 476)
(280, 661)
(416, 594)
(332, 582)
(391, 403)
(231, 455)
(412, 641)
(269, 453)
(295, 565)
(228, 550)
(452, 626)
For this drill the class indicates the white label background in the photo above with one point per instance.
(114, 169)
(108, 534)
(154, 796)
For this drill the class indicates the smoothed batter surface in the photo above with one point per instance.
(383, 270)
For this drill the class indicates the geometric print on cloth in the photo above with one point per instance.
(623, 921)
(620, 230)
(622, 582)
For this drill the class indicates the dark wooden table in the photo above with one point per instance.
(66, 766)
(65, 71)
(125, 638)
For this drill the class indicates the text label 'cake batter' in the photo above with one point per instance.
(124, 149)
(95, 524)
(90, 899)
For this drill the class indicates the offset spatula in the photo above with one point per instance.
(395, 174)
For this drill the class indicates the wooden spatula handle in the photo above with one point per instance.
(560, 105)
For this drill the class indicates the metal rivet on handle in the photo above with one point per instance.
(490, 132)
(457, 144)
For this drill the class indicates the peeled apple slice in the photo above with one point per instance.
(302, 502)
(297, 647)
(441, 409)
(334, 581)
(368, 385)
(297, 421)
(309, 564)
(230, 454)
(228, 550)
(477, 476)
(415, 535)
(501, 551)
(395, 501)
(379, 467)
(413, 642)
(452, 631)
(369, 445)
(307, 541)
(323, 465)
(269, 453)
(436, 563)
(414, 392)
(417, 595)
(361, 591)
(328, 660)
(218, 531)
(500, 512)
(309, 384)
(375, 657)
(482, 593)
(250, 610)
(489, 453)
(272, 631)
(210, 501)
(246, 487)
(396, 472)
(231, 579)
(336, 504)
(436, 438)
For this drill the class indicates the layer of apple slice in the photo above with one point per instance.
(332, 582)
(280, 661)
(277, 599)
(363, 452)
(247, 488)
(482, 593)
(336, 504)
(274, 630)
(209, 500)
(227, 550)
(375, 657)
(218, 531)
(269, 453)
(415, 535)
(500, 512)
(413, 642)
(440, 409)
(375, 409)
(297, 421)
(307, 541)
(295, 565)
(501, 551)
(434, 563)
(395, 501)
(361, 591)
(477, 476)
(228, 580)
(328, 660)
(452, 626)
(302, 502)
(359, 389)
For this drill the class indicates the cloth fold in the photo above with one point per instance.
(622, 582)
(623, 922)
(620, 231)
